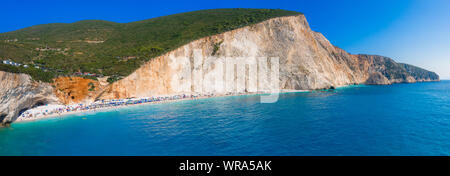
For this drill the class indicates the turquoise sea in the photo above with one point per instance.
(400, 119)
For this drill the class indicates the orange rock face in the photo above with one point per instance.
(72, 90)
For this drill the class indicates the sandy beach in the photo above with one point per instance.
(59, 111)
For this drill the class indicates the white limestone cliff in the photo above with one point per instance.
(307, 60)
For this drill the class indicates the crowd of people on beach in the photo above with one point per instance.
(58, 110)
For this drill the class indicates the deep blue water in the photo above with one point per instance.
(400, 119)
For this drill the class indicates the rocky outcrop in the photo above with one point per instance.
(384, 70)
(19, 92)
(307, 60)
(376, 78)
(420, 74)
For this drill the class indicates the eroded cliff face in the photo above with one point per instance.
(307, 60)
(19, 92)
(73, 90)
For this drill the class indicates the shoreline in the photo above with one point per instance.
(196, 97)
(105, 109)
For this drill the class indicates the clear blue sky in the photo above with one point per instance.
(410, 31)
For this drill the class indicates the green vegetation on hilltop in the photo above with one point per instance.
(117, 49)
(36, 74)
